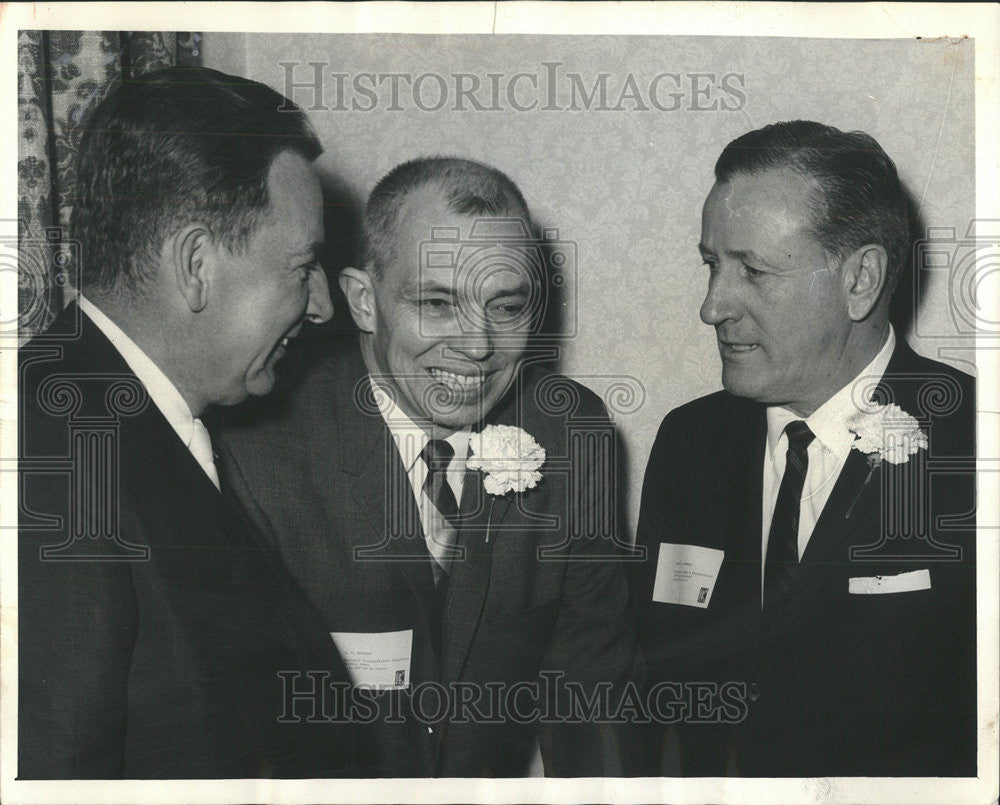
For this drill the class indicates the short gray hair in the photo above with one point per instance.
(469, 188)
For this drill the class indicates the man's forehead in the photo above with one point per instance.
(774, 202)
(295, 199)
(426, 214)
(433, 245)
(472, 274)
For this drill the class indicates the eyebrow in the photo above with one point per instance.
(523, 289)
(434, 287)
(744, 255)
(750, 256)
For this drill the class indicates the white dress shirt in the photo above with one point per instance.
(163, 394)
(410, 440)
(827, 452)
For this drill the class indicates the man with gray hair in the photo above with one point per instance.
(469, 601)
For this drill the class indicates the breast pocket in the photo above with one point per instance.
(912, 581)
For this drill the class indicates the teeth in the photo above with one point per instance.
(284, 341)
(457, 382)
(741, 347)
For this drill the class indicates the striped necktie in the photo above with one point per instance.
(437, 455)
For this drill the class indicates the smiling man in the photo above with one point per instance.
(153, 621)
(806, 543)
(429, 328)
(468, 615)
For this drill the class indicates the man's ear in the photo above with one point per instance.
(191, 254)
(359, 290)
(866, 272)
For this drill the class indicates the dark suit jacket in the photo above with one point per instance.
(153, 622)
(835, 683)
(319, 471)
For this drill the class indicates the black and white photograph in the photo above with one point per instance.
(499, 402)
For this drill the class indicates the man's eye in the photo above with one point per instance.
(507, 311)
(433, 303)
(752, 272)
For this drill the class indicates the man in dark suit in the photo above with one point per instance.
(503, 607)
(156, 629)
(806, 542)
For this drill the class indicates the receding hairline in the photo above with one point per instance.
(463, 186)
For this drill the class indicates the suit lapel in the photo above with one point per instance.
(147, 433)
(851, 506)
(481, 515)
(852, 510)
(470, 574)
(379, 485)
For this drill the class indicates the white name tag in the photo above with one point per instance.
(379, 660)
(900, 583)
(686, 574)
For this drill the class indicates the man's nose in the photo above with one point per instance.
(720, 302)
(475, 340)
(320, 308)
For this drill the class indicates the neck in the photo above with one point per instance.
(860, 349)
(150, 327)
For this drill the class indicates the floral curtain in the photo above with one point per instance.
(61, 76)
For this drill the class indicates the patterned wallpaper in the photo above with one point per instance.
(613, 140)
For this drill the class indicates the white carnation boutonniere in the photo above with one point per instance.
(885, 433)
(509, 458)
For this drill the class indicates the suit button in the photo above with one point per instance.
(754, 691)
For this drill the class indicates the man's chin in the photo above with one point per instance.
(458, 419)
(261, 383)
(740, 385)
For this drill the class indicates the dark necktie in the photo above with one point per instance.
(437, 455)
(783, 538)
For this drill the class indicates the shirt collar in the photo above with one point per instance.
(410, 438)
(162, 392)
(829, 421)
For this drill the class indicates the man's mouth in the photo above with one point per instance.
(279, 349)
(456, 382)
(737, 347)
(289, 336)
